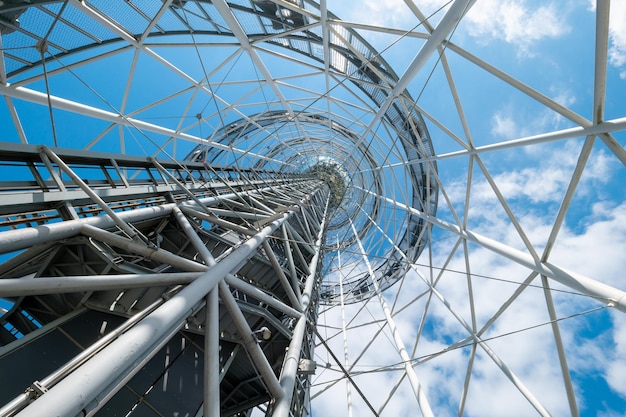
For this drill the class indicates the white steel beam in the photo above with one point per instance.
(164, 7)
(211, 401)
(37, 97)
(105, 21)
(344, 332)
(211, 388)
(503, 367)
(218, 221)
(83, 390)
(446, 26)
(418, 391)
(127, 228)
(3, 69)
(227, 14)
(255, 292)
(608, 126)
(16, 120)
(160, 255)
(578, 282)
(609, 141)
(560, 348)
(193, 237)
(280, 274)
(289, 372)
(471, 331)
(250, 342)
(13, 240)
(292, 267)
(600, 65)
(13, 287)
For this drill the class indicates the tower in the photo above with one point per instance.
(244, 208)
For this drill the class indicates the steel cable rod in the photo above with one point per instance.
(347, 374)
(418, 391)
(571, 279)
(470, 341)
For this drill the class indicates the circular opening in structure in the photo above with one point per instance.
(335, 176)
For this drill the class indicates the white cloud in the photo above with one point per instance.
(592, 249)
(530, 354)
(513, 121)
(390, 13)
(610, 413)
(617, 34)
(616, 366)
(515, 22)
(529, 184)
(564, 97)
(599, 250)
(504, 126)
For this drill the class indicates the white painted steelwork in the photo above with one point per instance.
(219, 195)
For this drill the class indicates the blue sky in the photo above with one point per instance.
(548, 45)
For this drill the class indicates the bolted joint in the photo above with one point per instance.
(306, 367)
(36, 390)
(42, 46)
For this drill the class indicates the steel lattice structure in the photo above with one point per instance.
(203, 202)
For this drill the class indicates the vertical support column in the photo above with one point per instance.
(295, 302)
(344, 332)
(211, 393)
(289, 372)
(53, 172)
(251, 343)
(560, 348)
(292, 268)
(84, 389)
(193, 236)
(211, 356)
(120, 173)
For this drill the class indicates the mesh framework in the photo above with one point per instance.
(269, 141)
